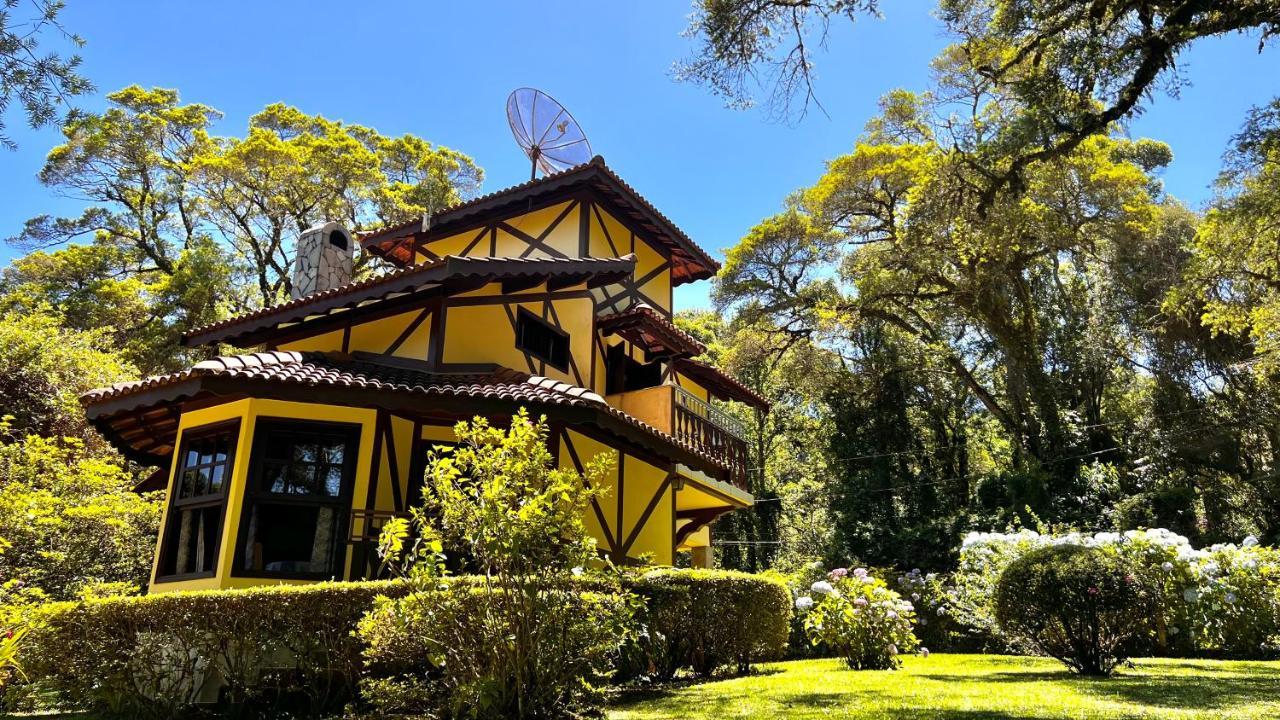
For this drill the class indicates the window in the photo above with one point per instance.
(297, 500)
(536, 337)
(193, 525)
(623, 374)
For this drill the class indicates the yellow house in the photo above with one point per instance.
(553, 295)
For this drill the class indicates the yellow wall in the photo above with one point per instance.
(558, 229)
(248, 411)
(485, 334)
(375, 336)
(636, 486)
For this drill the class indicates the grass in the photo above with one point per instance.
(971, 687)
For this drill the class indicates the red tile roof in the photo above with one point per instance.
(720, 383)
(464, 272)
(690, 261)
(648, 328)
(116, 410)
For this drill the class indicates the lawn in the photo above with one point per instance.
(971, 687)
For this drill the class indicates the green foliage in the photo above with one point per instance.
(1080, 605)
(279, 649)
(42, 82)
(69, 520)
(518, 642)
(859, 618)
(462, 652)
(44, 368)
(185, 227)
(706, 621)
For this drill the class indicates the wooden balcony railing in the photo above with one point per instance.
(686, 416)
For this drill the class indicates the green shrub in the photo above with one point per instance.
(1235, 606)
(706, 620)
(1081, 605)
(458, 652)
(858, 617)
(281, 647)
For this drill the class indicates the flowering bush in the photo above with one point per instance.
(933, 598)
(859, 617)
(1224, 599)
(1081, 605)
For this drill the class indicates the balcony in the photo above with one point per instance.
(676, 411)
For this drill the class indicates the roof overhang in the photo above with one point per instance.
(690, 262)
(720, 383)
(141, 418)
(644, 327)
(446, 276)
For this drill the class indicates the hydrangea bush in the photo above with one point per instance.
(1224, 599)
(860, 618)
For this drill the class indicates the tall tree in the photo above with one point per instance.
(1074, 68)
(42, 83)
(184, 226)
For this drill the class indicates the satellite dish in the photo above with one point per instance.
(547, 133)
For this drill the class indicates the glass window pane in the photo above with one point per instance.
(206, 452)
(188, 485)
(332, 481)
(202, 481)
(334, 452)
(273, 477)
(306, 452)
(290, 539)
(193, 456)
(302, 478)
(220, 454)
(215, 481)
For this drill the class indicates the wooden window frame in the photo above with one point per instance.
(524, 315)
(198, 502)
(254, 495)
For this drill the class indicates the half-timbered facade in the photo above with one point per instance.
(283, 462)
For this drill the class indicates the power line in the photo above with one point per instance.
(940, 448)
(1054, 461)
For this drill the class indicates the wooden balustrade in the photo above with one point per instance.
(712, 438)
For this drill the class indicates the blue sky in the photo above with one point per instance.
(443, 70)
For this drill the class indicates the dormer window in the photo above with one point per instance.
(542, 340)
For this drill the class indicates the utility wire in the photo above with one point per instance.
(940, 448)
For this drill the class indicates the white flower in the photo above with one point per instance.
(1168, 566)
(915, 596)
(1190, 595)
(942, 611)
(1230, 598)
(1173, 630)
(924, 652)
(577, 571)
(893, 649)
(1249, 541)
(891, 615)
(822, 587)
(804, 603)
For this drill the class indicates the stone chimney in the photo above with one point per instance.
(324, 259)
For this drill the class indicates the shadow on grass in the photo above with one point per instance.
(628, 695)
(1208, 690)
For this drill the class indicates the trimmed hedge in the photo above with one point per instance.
(279, 648)
(293, 649)
(706, 621)
(489, 652)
